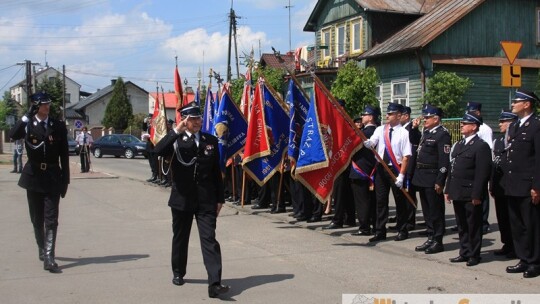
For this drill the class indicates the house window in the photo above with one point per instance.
(400, 92)
(325, 42)
(340, 43)
(538, 25)
(68, 97)
(356, 36)
(378, 95)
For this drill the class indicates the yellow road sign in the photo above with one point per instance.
(511, 50)
(511, 76)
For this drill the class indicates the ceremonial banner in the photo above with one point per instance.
(267, 135)
(159, 121)
(299, 105)
(179, 93)
(209, 113)
(246, 95)
(327, 145)
(230, 128)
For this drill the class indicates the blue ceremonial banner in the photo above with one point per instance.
(230, 128)
(259, 164)
(314, 151)
(209, 113)
(299, 106)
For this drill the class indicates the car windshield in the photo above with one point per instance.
(128, 139)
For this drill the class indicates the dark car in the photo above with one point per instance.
(73, 146)
(118, 145)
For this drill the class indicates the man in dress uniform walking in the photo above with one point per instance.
(362, 173)
(393, 145)
(496, 188)
(85, 141)
(430, 176)
(466, 185)
(522, 184)
(45, 176)
(197, 191)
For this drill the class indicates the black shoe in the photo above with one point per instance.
(314, 219)
(531, 272)
(177, 280)
(13, 171)
(361, 233)
(151, 179)
(473, 261)
(378, 237)
(435, 247)
(392, 219)
(332, 226)
(403, 235)
(215, 290)
(518, 268)
(424, 246)
(458, 259)
(50, 265)
(258, 207)
(454, 228)
(279, 210)
(503, 251)
(302, 218)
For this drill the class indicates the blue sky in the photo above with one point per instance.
(98, 40)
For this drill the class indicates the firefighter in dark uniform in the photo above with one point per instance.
(362, 174)
(46, 174)
(430, 176)
(522, 184)
(414, 138)
(496, 187)
(467, 180)
(152, 157)
(197, 191)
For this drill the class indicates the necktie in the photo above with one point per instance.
(84, 139)
(386, 158)
(43, 125)
(194, 144)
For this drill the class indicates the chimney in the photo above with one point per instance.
(113, 82)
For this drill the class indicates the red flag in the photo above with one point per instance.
(159, 121)
(338, 142)
(246, 95)
(179, 93)
(257, 143)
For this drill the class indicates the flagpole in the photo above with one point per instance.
(360, 133)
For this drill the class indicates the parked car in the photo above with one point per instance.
(118, 145)
(73, 145)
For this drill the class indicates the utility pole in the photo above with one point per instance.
(28, 74)
(289, 7)
(232, 32)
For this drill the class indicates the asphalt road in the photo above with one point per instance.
(114, 239)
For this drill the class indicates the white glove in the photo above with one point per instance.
(368, 144)
(399, 180)
(145, 119)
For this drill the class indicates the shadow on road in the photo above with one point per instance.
(100, 260)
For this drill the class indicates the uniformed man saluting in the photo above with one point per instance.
(522, 184)
(197, 191)
(46, 174)
(430, 176)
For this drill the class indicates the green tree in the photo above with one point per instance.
(55, 88)
(119, 111)
(8, 108)
(237, 87)
(446, 90)
(356, 86)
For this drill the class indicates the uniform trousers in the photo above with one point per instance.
(433, 210)
(503, 221)
(383, 184)
(469, 223)
(211, 251)
(44, 209)
(343, 200)
(364, 202)
(525, 223)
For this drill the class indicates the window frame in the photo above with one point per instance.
(538, 25)
(353, 35)
(326, 52)
(402, 99)
(338, 42)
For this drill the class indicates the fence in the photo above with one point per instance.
(452, 125)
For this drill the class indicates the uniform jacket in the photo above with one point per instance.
(499, 159)
(364, 158)
(197, 187)
(47, 168)
(432, 158)
(523, 158)
(470, 170)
